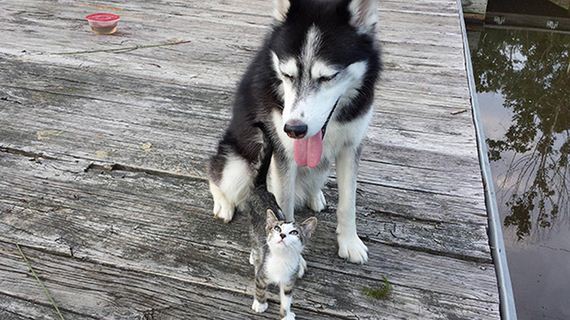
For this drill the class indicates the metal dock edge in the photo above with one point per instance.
(508, 310)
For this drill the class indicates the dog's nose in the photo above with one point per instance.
(283, 235)
(295, 129)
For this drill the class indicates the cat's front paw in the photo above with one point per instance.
(351, 248)
(258, 306)
(290, 316)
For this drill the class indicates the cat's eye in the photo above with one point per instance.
(294, 232)
(326, 78)
(276, 228)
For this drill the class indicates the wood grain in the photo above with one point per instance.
(143, 222)
(102, 159)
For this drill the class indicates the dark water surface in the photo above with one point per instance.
(523, 88)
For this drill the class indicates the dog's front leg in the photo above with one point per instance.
(283, 173)
(349, 244)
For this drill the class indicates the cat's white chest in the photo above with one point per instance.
(280, 269)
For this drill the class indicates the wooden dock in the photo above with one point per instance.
(103, 146)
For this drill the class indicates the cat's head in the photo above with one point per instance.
(288, 235)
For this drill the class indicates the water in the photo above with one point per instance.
(523, 88)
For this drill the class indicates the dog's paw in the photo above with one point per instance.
(302, 268)
(258, 307)
(351, 248)
(290, 316)
(317, 202)
(223, 209)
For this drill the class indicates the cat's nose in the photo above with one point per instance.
(283, 235)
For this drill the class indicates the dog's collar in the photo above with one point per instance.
(324, 128)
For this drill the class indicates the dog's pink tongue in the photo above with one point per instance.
(308, 152)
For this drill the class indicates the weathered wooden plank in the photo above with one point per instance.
(167, 110)
(112, 293)
(104, 292)
(402, 73)
(424, 6)
(201, 40)
(74, 82)
(106, 217)
(454, 113)
(202, 53)
(422, 180)
(259, 7)
(85, 103)
(247, 12)
(74, 114)
(422, 99)
(95, 85)
(426, 236)
(6, 315)
(56, 81)
(135, 15)
(435, 202)
(16, 308)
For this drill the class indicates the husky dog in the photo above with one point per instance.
(311, 85)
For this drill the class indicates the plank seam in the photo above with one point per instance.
(431, 251)
(113, 166)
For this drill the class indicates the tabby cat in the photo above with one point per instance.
(277, 249)
(277, 245)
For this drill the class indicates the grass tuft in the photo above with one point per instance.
(381, 293)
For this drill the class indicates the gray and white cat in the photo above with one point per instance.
(277, 248)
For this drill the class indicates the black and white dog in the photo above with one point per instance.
(311, 87)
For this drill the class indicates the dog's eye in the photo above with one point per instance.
(326, 78)
(294, 232)
(276, 228)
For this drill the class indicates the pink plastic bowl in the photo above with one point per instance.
(103, 23)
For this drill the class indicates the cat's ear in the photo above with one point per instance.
(308, 226)
(271, 218)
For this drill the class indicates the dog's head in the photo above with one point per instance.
(321, 52)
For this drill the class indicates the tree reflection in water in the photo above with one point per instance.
(531, 70)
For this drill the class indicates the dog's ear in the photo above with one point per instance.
(363, 15)
(280, 9)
